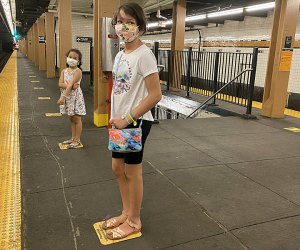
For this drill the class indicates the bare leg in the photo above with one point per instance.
(118, 167)
(78, 127)
(72, 127)
(134, 180)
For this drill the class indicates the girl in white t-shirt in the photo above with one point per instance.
(136, 90)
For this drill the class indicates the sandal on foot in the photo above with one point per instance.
(117, 233)
(74, 144)
(67, 141)
(113, 222)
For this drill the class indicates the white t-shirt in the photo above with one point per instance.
(129, 72)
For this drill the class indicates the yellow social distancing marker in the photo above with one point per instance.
(66, 146)
(105, 241)
(38, 88)
(44, 98)
(34, 81)
(53, 114)
(32, 76)
(293, 129)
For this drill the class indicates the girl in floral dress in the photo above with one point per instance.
(71, 100)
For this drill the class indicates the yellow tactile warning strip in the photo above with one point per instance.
(53, 114)
(66, 146)
(44, 98)
(105, 241)
(293, 129)
(10, 197)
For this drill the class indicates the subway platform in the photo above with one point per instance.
(215, 183)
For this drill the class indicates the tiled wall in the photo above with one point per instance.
(82, 26)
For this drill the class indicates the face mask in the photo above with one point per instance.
(72, 62)
(127, 32)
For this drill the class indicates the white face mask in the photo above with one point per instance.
(72, 62)
(127, 32)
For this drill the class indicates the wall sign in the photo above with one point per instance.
(42, 39)
(84, 39)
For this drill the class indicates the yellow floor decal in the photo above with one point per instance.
(66, 146)
(53, 114)
(44, 98)
(38, 88)
(34, 81)
(293, 129)
(10, 195)
(105, 241)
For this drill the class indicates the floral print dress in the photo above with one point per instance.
(74, 104)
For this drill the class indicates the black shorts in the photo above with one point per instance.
(136, 157)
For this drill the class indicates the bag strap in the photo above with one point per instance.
(113, 95)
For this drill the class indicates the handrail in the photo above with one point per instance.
(211, 97)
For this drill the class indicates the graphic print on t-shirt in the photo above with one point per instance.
(122, 77)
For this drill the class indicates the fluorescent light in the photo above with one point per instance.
(226, 13)
(194, 18)
(261, 7)
(7, 11)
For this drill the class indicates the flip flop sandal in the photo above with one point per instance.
(67, 141)
(117, 233)
(74, 144)
(112, 223)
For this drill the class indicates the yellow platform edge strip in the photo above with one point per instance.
(10, 196)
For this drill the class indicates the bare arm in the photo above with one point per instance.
(61, 82)
(153, 97)
(73, 82)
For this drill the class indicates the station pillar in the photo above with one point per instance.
(177, 41)
(41, 43)
(50, 45)
(101, 9)
(35, 45)
(65, 30)
(280, 57)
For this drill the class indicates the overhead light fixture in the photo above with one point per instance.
(194, 18)
(258, 7)
(7, 11)
(225, 13)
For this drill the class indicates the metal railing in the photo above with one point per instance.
(206, 72)
(216, 93)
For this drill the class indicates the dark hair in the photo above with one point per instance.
(77, 51)
(134, 10)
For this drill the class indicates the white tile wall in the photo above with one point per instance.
(252, 28)
(82, 26)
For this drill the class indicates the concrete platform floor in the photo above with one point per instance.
(217, 183)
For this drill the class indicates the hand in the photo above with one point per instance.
(118, 122)
(75, 86)
(61, 101)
